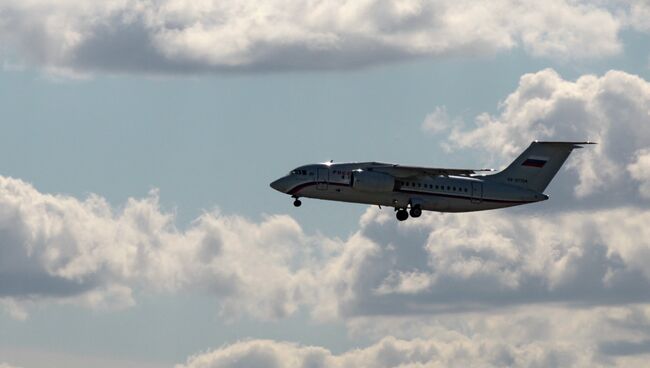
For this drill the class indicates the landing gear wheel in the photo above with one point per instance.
(297, 203)
(402, 214)
(415, 211)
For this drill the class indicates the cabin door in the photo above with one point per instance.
(477, 192)
(322, 178)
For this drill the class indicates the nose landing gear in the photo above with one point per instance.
(297, 202)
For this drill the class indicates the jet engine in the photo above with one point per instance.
(368, 181)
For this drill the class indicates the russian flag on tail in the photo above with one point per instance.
(535, 161)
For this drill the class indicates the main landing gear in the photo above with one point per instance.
(296, 202)
(414, 211)
(402, 214)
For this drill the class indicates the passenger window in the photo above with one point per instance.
(436, 187)
(448, 187)
(454, 188)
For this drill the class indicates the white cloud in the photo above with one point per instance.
(611, 109)
(640, 170)
(392, 352)
(530, 336)
(639, 15)
(172, 36)
(58, 248)
(439, 121)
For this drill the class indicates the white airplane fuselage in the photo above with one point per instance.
(335, 182)
(412, 189)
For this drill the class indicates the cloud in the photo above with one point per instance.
(638, 16)
(640, 171)
(389, 352)
(59, 248)
(530, 336)
(480, 262)
(172, 36)
(611, 109)
(439, 121)
(560, 285)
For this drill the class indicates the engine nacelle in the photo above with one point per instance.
(368, 181)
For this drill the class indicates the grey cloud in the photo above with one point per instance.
(175, 37)
(621, 348)
(472, 262)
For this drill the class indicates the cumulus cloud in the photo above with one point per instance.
(389, 352)
(59, 248)
(611, 109)
(172, 36)
(640, 171)
(530, 336)
(480, 262)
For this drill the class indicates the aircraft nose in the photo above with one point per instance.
(280, 185)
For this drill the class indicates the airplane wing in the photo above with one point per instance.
(400, 171)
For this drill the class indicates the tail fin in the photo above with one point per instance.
(537, 165)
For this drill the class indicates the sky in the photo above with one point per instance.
(138, 229)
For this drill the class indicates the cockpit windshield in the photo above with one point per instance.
(299, 172)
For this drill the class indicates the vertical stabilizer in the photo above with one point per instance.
(537, 165)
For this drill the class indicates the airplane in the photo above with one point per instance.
(412, 189)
